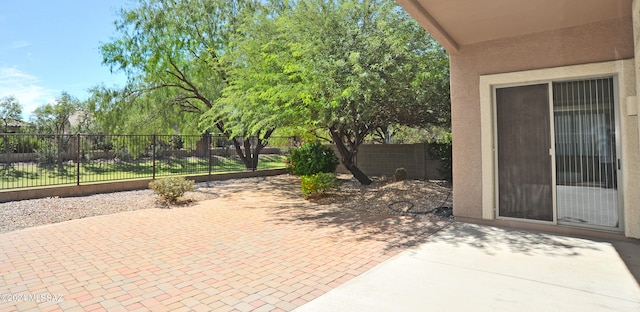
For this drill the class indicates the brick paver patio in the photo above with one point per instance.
(259, 249)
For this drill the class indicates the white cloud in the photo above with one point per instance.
(14, 45)
(10, 75)
(18, 44)
(26, 89)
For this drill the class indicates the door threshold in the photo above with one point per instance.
(560, 229)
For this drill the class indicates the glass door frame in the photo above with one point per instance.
(552, 153)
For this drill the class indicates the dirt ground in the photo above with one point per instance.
(411, 198)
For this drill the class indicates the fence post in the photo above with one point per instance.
(153, 158)
(253, 142)
(79, 159)
(209, 152)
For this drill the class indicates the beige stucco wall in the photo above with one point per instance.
(593, 43)
(633, 108)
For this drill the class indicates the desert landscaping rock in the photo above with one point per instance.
(383, 197)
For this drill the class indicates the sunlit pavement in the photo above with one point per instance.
(469, 267)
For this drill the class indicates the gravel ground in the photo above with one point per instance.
(28, 213)
(386, 197)
(383, 197)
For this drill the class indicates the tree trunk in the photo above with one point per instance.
(347, 156)
(254, 157)
(250, 156)
(357, 173)
(245, 155)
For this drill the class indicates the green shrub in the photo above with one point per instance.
(123, 154)
(311, 158)
(161, 150)
(48, 153)
(171, 188)
(316, 184)
(20, 144)
(400, 175)
(441, 150)
(104, 145)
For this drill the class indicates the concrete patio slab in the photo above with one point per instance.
(469, 267)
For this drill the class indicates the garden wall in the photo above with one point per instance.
(383, 159)
(128, 185)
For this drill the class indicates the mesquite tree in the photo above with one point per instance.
(349, 67)
(172, 52)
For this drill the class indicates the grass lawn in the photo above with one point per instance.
(23, 175)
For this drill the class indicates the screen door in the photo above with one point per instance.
(524, 161)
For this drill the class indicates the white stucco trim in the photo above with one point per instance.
(624, 70)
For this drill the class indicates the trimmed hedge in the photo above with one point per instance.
(311, 158)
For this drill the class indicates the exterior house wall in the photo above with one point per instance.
(593, 43)
(633, 107)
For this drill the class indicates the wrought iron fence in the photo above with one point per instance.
(31, 160)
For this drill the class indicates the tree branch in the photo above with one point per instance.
(192, 88)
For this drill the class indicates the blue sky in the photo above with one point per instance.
(47, 47)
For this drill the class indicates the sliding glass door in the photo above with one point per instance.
(576, 181)
(585, 149)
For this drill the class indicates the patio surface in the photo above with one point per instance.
(257, 248)
(470, 267)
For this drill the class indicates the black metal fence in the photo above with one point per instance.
(30, 160)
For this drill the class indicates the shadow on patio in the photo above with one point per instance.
(397, 232)
(491, 240)
(406, 231)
